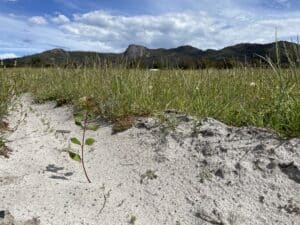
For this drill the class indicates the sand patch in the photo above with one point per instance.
(181, 172)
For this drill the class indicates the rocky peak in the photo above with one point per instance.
(135, 51)
(55, 51)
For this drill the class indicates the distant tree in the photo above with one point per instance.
(36, 61)
(187, 63)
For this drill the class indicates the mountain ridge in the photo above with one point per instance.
(185, 56)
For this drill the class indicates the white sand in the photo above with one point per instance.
(203, 173)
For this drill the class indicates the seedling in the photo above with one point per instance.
(88, 106)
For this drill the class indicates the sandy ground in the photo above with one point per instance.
(182, 172)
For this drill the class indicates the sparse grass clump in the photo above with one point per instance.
(5, 94)
(246, 96)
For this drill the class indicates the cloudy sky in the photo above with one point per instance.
(31, 26)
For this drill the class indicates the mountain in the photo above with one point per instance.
(136, 51)
(180, 57)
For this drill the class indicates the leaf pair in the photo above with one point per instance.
(79, 117)
(89, 141)
(75, 156)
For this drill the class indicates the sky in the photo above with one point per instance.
(32, 26)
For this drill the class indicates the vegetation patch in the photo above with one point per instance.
(4, 150)
(122, 124)
(261, 97)
(3, 125)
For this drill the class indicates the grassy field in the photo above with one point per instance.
(247, 96)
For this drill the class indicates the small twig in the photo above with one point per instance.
(127, 164)
(25, 137)
(105, 196)
(208, 219)
(245, 154)
(121, 203)
(148, 192)
(63, 131)
(21, 120)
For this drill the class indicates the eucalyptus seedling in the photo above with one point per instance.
(82, 120)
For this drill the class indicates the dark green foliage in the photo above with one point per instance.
(74, 156)
(89, 141)
(36, 61)
(75, 141)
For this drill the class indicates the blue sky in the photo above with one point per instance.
(31, 26)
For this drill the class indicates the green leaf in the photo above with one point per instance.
(93, 127)
(74, 156)
(78, 117)
(78, 122)
(75, 141)
(90, 141)
(2, 143)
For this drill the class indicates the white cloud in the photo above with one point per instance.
(38, 20)
(60, 19)
(7, 56)
(107, 32)
(27, 39)
(199, 29)
(166, 30)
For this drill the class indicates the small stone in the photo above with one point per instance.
(220, 173)
(2, 214)
(261, 199)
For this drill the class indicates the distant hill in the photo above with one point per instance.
(181, 57)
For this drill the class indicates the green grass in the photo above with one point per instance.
(5, 94)
(248, 96)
